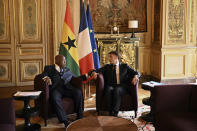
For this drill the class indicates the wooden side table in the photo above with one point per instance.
(147, 116)
(27, 112)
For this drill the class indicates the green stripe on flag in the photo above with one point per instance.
(70, 62)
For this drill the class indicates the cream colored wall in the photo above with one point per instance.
(179, 54)
(145, 43)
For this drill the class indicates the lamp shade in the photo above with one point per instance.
(133, 24)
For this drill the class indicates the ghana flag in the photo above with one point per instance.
(68, 47)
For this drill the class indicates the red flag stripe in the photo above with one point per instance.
(68, 18)
(86, 64)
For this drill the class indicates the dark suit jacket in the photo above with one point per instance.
(126, 74)
(57, 78)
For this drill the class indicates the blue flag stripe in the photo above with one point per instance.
(83, 21)
(92, 39)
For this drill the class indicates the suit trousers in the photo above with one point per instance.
(62, 91)
(113, 95)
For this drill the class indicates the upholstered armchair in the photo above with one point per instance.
(175, 107)
(43, 103)
(128, 102)
(7, 115)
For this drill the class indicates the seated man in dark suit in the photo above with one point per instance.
(118, 79)
(58, 77)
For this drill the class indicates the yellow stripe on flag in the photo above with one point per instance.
(73, 51)
(67, 32)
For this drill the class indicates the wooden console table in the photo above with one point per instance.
(126, 47)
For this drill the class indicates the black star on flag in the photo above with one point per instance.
(70, 43)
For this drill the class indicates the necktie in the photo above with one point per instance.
(114, 74)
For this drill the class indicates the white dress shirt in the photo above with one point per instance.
(117, 72)
(57, 67)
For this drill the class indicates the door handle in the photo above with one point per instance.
(17, 44)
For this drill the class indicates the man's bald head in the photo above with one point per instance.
(60, 60)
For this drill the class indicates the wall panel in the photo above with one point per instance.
(156, 63)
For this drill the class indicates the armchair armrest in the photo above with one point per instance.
(40, 85)
(134, 94)
(99, 89)
(76, 82)
(100, 83)
(42, 102)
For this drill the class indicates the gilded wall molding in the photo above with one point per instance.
(128, 54)
(30, 68)
(5, 52)
(192, 15)
(30, 22)
(5, 71)
(127, 48)
(176, 15)
(4, 22)
(31, 51)
(175, 60)
(104, 50)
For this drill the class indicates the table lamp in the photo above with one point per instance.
(133, 24)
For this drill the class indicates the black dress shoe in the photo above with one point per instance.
(66, 123)
(115, 113)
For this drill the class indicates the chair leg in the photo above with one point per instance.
(135, 114)
(45, 122)
(98, 112)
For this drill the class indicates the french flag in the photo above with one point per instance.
(86, 62)
(92, 39)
